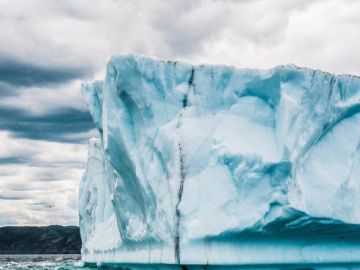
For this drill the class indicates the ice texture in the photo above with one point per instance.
(213, 165)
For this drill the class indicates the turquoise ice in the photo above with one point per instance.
(213, 165)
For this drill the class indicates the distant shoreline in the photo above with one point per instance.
(44, 240)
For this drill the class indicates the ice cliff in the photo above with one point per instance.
(213, 165)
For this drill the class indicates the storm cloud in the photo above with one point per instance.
(16, 73)
(13, 197)
(55, 125)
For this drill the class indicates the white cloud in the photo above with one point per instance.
(43, 190)
(317, 34)
(257, 33)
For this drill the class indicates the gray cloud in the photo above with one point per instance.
(52, 175)
(13, 197)
(18, 73)
(184, 26)
(42, 206)
(19, 187)
(7, 89)
(13, 160)
(51, 126)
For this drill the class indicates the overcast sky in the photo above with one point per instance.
(47, 48)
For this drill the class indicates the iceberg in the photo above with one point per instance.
(218, 166)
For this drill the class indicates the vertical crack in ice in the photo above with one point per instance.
(182, 168)
(324, 128)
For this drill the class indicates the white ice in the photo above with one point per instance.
(221, 166)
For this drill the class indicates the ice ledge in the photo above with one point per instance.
(315, 241)
(251, 252)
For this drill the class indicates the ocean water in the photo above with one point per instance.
(73, 262)
(41, 262)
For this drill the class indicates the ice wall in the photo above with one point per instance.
(214, 165)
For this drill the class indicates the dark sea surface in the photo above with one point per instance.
(73, 262)
(41, 262)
